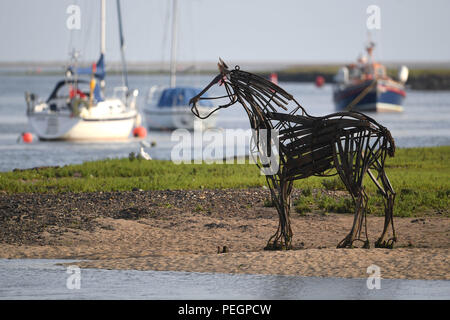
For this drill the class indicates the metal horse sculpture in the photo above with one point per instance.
(350, 142)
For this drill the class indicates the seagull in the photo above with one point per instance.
(144, 154)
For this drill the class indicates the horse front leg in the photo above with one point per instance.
(388, 193)
(281, 196)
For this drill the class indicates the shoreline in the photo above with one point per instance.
(419, 79)
(174, 231)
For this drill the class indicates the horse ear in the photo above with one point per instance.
(222, 65)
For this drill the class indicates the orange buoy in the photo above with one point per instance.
(27, 137)
(320, 81)
(140, 132)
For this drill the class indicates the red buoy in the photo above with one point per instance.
(274, 78)
(140, 132)
(320, 81)
(27, 137)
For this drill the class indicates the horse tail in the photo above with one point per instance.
(391, 143)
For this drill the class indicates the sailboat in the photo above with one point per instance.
(77, 108)
(168, 107)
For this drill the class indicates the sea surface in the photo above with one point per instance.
(425, 121)
(48, 279)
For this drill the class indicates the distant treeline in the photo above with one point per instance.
(419, 79)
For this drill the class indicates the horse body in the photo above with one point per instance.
(350, 142)
(312, 144)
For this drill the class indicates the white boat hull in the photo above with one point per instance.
(178, 117)
(57, 127)
(379, 107)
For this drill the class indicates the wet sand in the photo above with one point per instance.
(182, 230)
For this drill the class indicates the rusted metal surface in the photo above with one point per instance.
(350, 142)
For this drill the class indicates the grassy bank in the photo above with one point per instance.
(420, 176)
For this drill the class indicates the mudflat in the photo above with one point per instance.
(183, 230)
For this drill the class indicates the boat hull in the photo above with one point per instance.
(57, 127)
(383, 97)
(178, 117)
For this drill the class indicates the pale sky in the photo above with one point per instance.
(317, 31)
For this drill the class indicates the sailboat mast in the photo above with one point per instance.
(122, 47)
(173, 59)
(102, 36)
(103, 27)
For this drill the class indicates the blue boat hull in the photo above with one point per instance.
(380, 98)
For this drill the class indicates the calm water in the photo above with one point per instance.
(44, 279)
(425, 121)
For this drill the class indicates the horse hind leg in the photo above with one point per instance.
(281, 195)
(389, 196)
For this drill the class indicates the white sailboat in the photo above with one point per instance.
(77, 109)
(168, 107)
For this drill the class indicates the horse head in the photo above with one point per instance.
(222, 79)
(256, 94)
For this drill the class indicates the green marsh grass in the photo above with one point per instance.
(420, 176)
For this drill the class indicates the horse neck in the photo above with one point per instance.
(258, 120)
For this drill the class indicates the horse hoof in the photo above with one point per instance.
(389, 244)
(366, 245)
(277, 247)
(345, 246)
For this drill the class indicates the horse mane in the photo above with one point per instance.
(261, 93)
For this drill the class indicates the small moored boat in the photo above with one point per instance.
(168, 107)
(77, 109)
(365, 86)
(69, 114)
